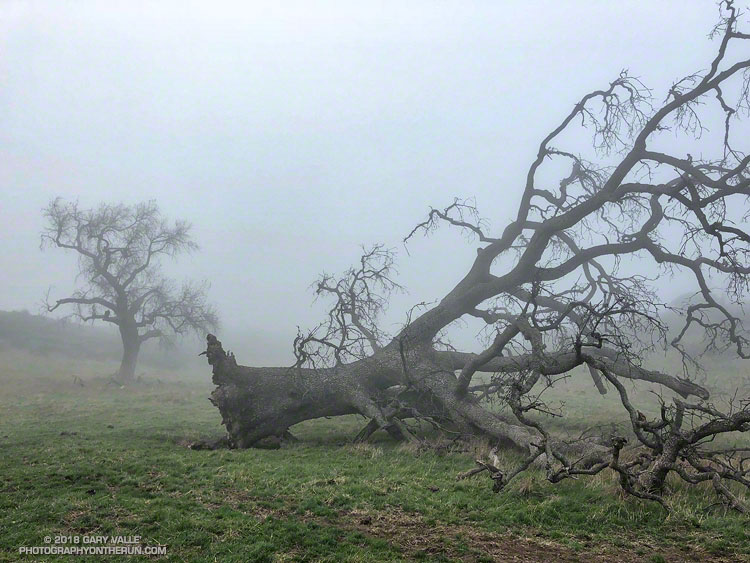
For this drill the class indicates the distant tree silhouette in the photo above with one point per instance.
(119, 249)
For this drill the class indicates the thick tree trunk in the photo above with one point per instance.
(131, 346)
(257, 403)
(395, 382)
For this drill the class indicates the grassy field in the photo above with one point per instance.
(100, 460)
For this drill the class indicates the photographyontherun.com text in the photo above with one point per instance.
(93, 545)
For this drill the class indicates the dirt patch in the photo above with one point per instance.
(463, 543)
(466, 543)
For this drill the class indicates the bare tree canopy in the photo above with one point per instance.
(120, 249)
(554, 291)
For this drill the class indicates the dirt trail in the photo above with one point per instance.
(466, 543)
(422, 541)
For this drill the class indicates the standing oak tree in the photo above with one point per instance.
(555, 294)
(119, 251)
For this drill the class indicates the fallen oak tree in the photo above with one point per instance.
(552, 291)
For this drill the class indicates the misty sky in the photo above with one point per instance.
(289, 133)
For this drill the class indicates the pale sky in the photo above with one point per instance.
(290, 133)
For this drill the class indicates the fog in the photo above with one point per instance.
(290, 134)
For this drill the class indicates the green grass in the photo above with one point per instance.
(101, 460)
